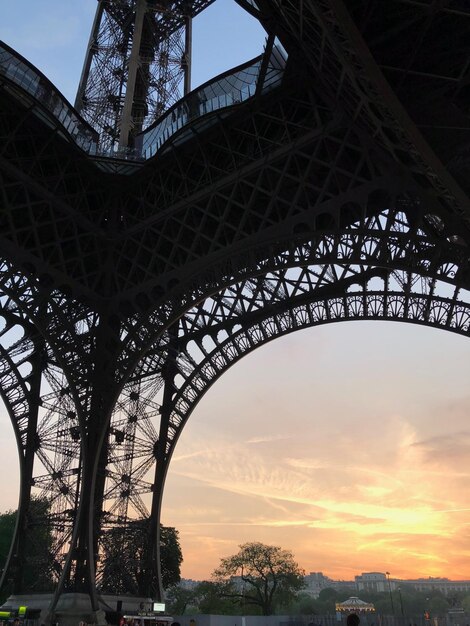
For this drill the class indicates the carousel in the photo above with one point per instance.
(355, 605)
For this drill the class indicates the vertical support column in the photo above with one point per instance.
(104, 393)
(28, 461)
(188, 43)
(79, 571)
(265, 63)
(134, 63)
(89, 56)
(154, 583)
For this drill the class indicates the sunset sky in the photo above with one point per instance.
(347, 444)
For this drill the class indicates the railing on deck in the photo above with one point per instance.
(224, 91)
(18, 71)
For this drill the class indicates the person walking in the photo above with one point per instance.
(353, 620)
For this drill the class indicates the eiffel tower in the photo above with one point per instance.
(152, 236)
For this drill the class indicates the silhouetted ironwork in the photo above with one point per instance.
(326, 180)
(137, 65)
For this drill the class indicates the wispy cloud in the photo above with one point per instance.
(350, 499)
(268, 439)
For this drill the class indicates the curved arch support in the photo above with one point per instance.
(237, 320)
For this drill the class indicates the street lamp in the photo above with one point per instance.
(401, 605)
(243, 593)
(390, 592)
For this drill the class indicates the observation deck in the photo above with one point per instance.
(219, 94)
(190, 115)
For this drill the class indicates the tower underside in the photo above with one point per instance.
(325, 180)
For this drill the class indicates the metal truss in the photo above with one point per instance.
(47, 451)
(37, 397)
(136, 64)
(321, 199)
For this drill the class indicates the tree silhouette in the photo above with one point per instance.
(266, 575)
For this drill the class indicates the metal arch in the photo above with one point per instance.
(21, 404)
(405, 236)
(216, 334)
(409, 235)
(296, 314)
(25, 367)
(385, 246)
(378, 245)
(41, 435)
(347, 299)
(408, 246)
(66, 324)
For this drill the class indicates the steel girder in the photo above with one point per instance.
(141, 68)
(319, 201)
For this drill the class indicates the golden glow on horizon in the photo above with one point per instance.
(379, 483)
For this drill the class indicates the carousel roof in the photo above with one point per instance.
(354, 604)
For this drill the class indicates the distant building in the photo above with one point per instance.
(444, 585)
(374, 581)
(344, 586)
(378, 582)
(315, 582)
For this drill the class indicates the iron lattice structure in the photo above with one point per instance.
(137, 65)
(324, 181)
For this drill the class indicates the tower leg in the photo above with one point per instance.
(154, 582)
(15, 564)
